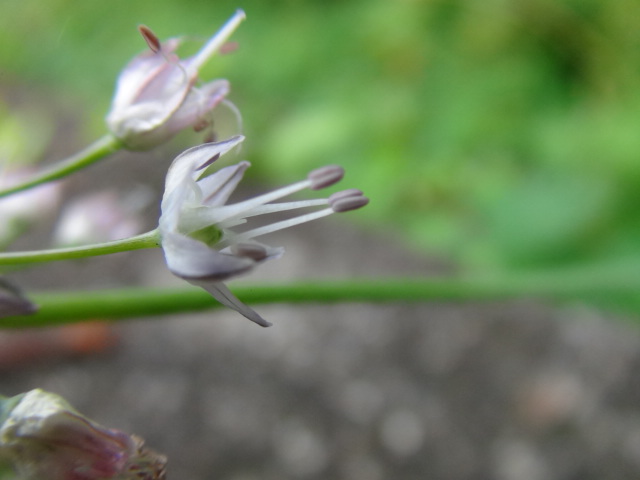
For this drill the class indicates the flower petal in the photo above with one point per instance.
(187, 163)
(137, 73)
(218, 187)
(198, 103)
(220, 292)
(180, 184)
(193, 260)
(150, 90)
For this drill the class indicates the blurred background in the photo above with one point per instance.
(493, 133)
(494, 136)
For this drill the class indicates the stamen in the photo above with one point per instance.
(283, 207)
(346, 200)
(344, 193)
(218, 40)
(325, 176)
(239, 209)
(249, 250)
(152, 41)
(274, 227)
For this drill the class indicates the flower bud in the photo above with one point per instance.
(156, 95)
(43, 437)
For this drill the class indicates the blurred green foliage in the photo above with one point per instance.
(494, 133)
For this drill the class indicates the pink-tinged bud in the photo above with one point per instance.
(21, 210)
(156, 96)
(43, 437)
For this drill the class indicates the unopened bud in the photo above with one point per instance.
(42, 436)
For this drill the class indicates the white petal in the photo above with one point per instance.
(198, 103)
(220, 292)
(217, 188)
(193, 260)
(180, 185)
(149, 91)
(138, 71)
(134, 76)
(186, 164)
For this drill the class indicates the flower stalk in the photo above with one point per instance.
(606, 288)
(145, 240)
(98, 150)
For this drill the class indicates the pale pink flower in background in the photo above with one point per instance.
(156, 96)
(43, 437)
(197, 225)
(100, 217)
(21, 210)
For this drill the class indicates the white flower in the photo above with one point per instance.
(196, 223)
(155, 96)
(43, 437)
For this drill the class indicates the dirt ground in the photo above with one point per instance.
(512, 390)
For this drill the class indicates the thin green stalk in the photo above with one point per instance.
(145, 240)
(96, 151)
(57, 308)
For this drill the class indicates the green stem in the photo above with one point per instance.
(96, 151)
(146, 240)
(58, 308)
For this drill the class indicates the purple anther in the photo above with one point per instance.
(346, 200)
(325, 176)
(150, 38)
(351, 192)
(249, 250)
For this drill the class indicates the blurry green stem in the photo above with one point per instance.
(145, 240)
(56, 308)
(96, 151)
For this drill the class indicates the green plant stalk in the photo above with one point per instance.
(58, 308)
(146, 240)
(96, 151)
